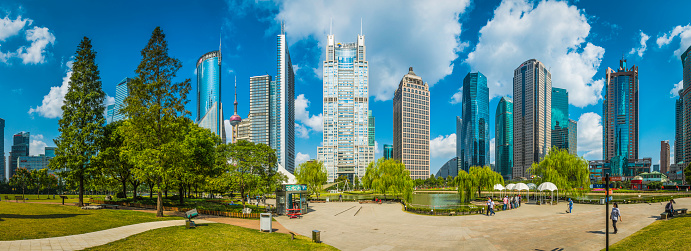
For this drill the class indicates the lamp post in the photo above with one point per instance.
(607, 212)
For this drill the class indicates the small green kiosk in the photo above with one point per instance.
(290, 200)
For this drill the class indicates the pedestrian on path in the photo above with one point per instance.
(340, 198)
(615, 216)
(489, 202)
(570, 206)
(491, 207)
(506, 201)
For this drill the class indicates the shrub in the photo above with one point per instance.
(120, 195)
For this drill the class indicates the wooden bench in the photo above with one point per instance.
(680, 211)
(663, 216)
(110, 206)
(17, 198)
(190, 215)
(292, 236)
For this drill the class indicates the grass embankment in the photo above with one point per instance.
(36, 221)
(212, 237)
(672, 234)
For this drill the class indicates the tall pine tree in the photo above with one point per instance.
(81, 125)
(156, 110)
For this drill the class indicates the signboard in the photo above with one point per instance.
(296, 187)
(612, 178)
(600, 185)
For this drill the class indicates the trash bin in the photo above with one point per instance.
(602, 201)
(315, 236)
(265, 222)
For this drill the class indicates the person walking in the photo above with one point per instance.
(506, 201)
(615, 216)
(570, 206)
(489, 203)
(340, 198)
(491, 207)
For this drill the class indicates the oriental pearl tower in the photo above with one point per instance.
(235, 119)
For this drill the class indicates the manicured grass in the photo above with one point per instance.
(49, 198)
(199, 203)
(36, 221)
(212, 237)
(672, 234)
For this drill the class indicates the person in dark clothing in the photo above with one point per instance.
(615, 216)
(669, 208)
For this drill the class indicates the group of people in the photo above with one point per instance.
(509, 203)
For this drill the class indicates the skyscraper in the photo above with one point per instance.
(474, 142)
(532, 96)
(388, 151)
(244, 130)
(345, 148)
(664, 156)
(50, 151)
(573, 137)
(620, 119)
(504, 138)
(411, 125)
(561, 127)
(682, 139)
(259, 109)
(19, 148)
(2, 149)
(121, 93)
(370, 128)
(282, 121)
(209, 106)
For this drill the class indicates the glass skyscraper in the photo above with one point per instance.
(370, 128)
(2, 150)
(345, 147)
(560, 119)
(682, 139)
(260, 109)
(19, 148)
(209, 106)
(388, 151)
(573, 137)
(282, 103)
(114, 112)
(620, 119)
(504, 138)
(411, 125)
(474, 144)
(532, 96)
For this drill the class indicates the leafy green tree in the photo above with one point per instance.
(246, 163)
(568, 172)
(197, 155)
(687, 174)
(466, 183)
(21, 178)
(485, 178)
(109, 160)
(81, 125)
(156, 108)
(313, 174)
(39, 180)
(389, 176)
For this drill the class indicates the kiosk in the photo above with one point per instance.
(291, 200)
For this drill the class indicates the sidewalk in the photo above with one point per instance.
(93, 239)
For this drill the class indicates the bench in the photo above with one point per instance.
(190, 215)
(663, 216)
(6, 198)
(17, 198)
(110, 206)
(680, 211)
(369, 202)
(63, 199)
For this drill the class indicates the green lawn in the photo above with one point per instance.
(212, 237)
(35, 221)
(49, 198)
(672, 234)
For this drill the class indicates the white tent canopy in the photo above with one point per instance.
(510, 186)
(532, 186)
(499, 187)
(547, 186)
(521, 187)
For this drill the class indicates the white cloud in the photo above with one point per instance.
(677, 87)
(457, 97)
(51, 107)
(491, 151)
(302, 131)
(37, 146)
(640, 50)
(301, 158)
(307, 122)
(40, 38)
(590, 136)
(109, 100)
(10, 28)
(229, 131)
(443, 146)
(376, 147)
(552, 32)
(427, 33)
(683, 32)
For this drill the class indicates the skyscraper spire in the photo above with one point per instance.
(236, 95)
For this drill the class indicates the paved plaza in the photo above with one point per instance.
(531, 227)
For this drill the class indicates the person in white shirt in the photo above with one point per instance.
(615, 216)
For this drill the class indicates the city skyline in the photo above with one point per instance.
(34, 109)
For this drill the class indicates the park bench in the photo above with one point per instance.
(63, 199)
(294, 213)
(369, 202)
(17, 198)
(190, 215)
(680, 211)
(110, 206)
(292, 236)
(7, 198)
(663, 216)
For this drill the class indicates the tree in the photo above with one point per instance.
(568, 172)
(81, 124)
(687, 174)
(313, 174)
(197, 157)
(39, 180)
(389, 175)
(109, 160)
(485, 178)
(156, 109)
(246, 163)
(21, 178)
(466, 183)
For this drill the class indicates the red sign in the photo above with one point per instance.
(612, 179)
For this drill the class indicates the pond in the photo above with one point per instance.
(436, 200)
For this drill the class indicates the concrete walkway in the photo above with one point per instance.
(531, 227)
(93, 239)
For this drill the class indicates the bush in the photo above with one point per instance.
(120, 195)
(175, 197)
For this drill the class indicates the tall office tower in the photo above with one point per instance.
(573, 137)
(532, 96)
(664, 156)
(388, 151)
(345, 148)
(2, 149)
(110, 111)
(620, 118)
(504, 138)
(459, 127)
(682, 140)
(121, 93)
(50, 151)
(259, 109)
(370, 128)
(282, 120)
(244, 130)
(560, 118)
(474, 142)
(411, 125)
(235, 120)
(209, 106)
(19, 148)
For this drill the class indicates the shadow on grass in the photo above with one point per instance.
(42, 216)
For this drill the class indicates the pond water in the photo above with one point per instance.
(436, 200)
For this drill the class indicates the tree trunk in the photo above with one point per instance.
(134, 191)
(159, 202)
(181, 194)
(151, 191)
(81, 191)
(242, 194)
(124, 188)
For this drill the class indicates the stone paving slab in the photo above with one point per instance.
(82, 241)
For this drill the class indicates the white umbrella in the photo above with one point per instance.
(499, 187)
(521, 187)
(549, 186)
(510, 186)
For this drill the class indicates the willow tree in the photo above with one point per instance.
(465, 183)
(81, 125)
(568, 172)
(156, 109)
(313, 174)
(485, 178)
(389, 176)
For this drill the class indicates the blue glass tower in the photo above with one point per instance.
(620, 119)
(2, 149)
(475, 121)
(560, 119)
(209, 107)
(504, 138)
(282, 105)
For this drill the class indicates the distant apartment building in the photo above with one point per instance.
(664, 156)
(532, 96)
(244, 130)
(20, 148)
(260, 109)
(503, 148)
(388, 151)
(682, 138)
(474, 144)
(411, 105)
(655, 168)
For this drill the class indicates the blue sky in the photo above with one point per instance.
(443, 41)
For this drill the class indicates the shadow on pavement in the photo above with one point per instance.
(596, 232)
(44, 216)
(555, 249)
